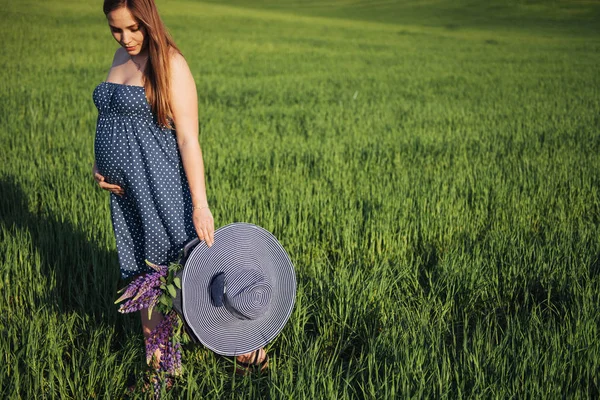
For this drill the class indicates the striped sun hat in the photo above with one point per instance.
(238, 294)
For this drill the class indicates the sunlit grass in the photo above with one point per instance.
(436, 186)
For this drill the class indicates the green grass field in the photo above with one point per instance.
(432, 168)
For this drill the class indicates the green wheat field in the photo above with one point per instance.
(432, 168)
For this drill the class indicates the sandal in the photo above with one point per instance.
(244, 368)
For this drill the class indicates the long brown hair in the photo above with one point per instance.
(159, 44)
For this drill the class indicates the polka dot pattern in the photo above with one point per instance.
(153, 219)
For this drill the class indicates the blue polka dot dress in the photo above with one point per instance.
(153, 219)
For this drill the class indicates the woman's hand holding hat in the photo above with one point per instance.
(204, 224)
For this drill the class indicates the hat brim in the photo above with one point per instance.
(236, 246)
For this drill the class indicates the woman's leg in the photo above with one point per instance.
(249, 357)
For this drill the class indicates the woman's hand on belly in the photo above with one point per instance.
(116, 189)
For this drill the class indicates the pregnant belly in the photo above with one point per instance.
(110, 161)
(125, 150)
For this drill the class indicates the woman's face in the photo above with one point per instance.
(127, 30)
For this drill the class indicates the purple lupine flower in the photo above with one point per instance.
(131, 289)
(162, 339)
(157, 387)
(149, 297)
(158, 337)
(170, 360)
(157, 268)
(144, 291)
(151, 280)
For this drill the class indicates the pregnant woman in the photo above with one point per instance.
(147, 153)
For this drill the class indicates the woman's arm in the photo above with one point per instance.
(184, 105)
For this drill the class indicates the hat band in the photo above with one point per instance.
(217, 289)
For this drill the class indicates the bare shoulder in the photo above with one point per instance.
(119, 57)
(180, 71)
(177, 61)
(184, 99)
